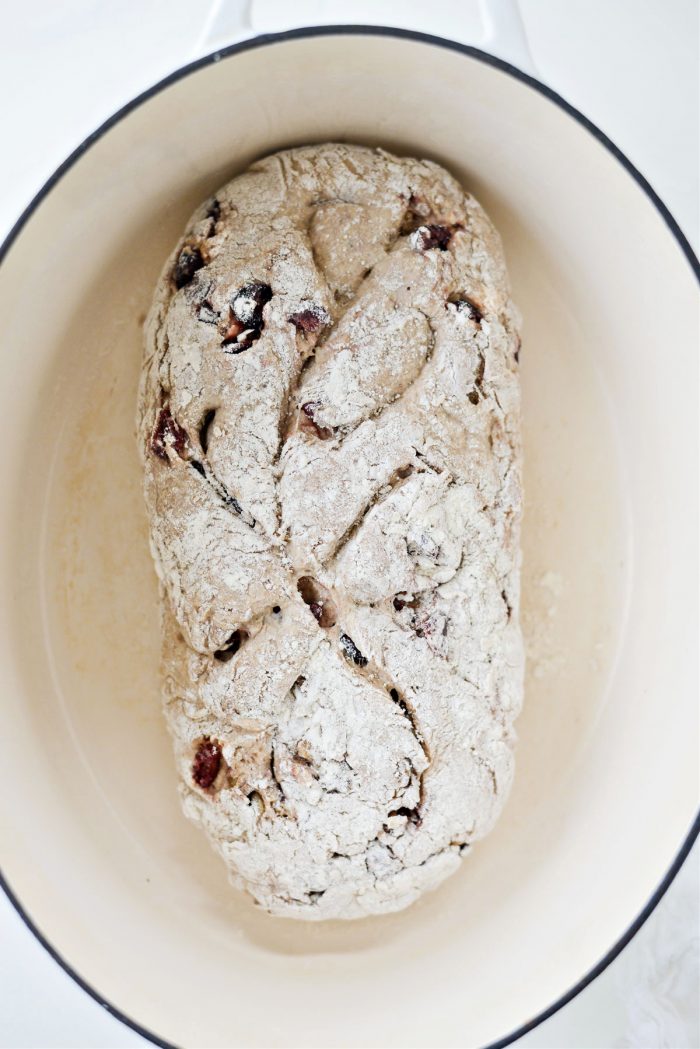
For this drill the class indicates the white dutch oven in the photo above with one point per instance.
(95, 852)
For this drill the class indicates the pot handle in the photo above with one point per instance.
(227, 21)
(502, 30)
(504, 34)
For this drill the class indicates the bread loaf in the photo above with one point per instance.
(329, 423)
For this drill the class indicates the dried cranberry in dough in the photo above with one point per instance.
(206, 764)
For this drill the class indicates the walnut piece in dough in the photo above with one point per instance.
(329, 425)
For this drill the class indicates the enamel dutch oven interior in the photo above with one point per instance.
(93, 841)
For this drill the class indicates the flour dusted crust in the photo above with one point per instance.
(329, 423)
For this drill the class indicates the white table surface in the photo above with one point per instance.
(632, 67)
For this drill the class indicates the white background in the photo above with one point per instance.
(629, 65)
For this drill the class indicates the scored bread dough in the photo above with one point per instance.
(330, 431)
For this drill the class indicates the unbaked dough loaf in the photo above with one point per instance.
(329, 423)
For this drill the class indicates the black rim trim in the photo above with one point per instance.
(67, 968)
(547, 92)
